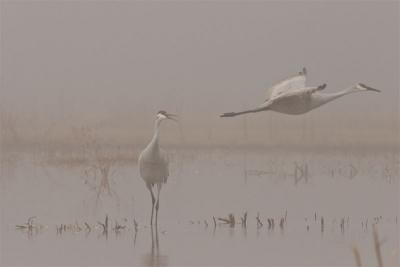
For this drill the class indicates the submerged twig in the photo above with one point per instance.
(230, 220)
(104, 225)
(89, 229)
(271, 223)
(285, 216)
(322, 224)
(28, 225)
(342, 225)
(136, 228)
(118, 227)
(281, 223)
(259, 223)
(244, 220)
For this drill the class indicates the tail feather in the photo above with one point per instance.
(303, 71)
(321, 87)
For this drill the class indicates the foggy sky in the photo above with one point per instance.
(117, 63)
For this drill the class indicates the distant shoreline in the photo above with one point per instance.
(67, 147)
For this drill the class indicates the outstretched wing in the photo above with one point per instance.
(290, 84)
(300, 92)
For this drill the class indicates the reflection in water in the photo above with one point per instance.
(244, 232)
(8, 165)
(154, 258)
(30, 228)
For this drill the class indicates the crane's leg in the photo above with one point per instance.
(158, 200)
(153, 200)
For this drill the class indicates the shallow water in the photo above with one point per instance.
(350, 190)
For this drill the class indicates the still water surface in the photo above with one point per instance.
(350, 190)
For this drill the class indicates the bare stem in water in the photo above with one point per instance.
(377, 246)
(357, 256)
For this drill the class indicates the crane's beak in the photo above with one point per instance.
(172, 117)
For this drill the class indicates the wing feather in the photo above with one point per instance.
(293, 83)
(165, 158)
(298, 93)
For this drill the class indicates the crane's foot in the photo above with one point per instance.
(368, 88)
(228, 114)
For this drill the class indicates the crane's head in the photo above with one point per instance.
(162, 115)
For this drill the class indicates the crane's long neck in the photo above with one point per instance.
(154, 140)
(323, 98)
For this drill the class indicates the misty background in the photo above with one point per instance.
(110, 66)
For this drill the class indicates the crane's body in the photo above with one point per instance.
(153, 163)
(291, 96)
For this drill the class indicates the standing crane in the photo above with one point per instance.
(153, 163)
(292, 96)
